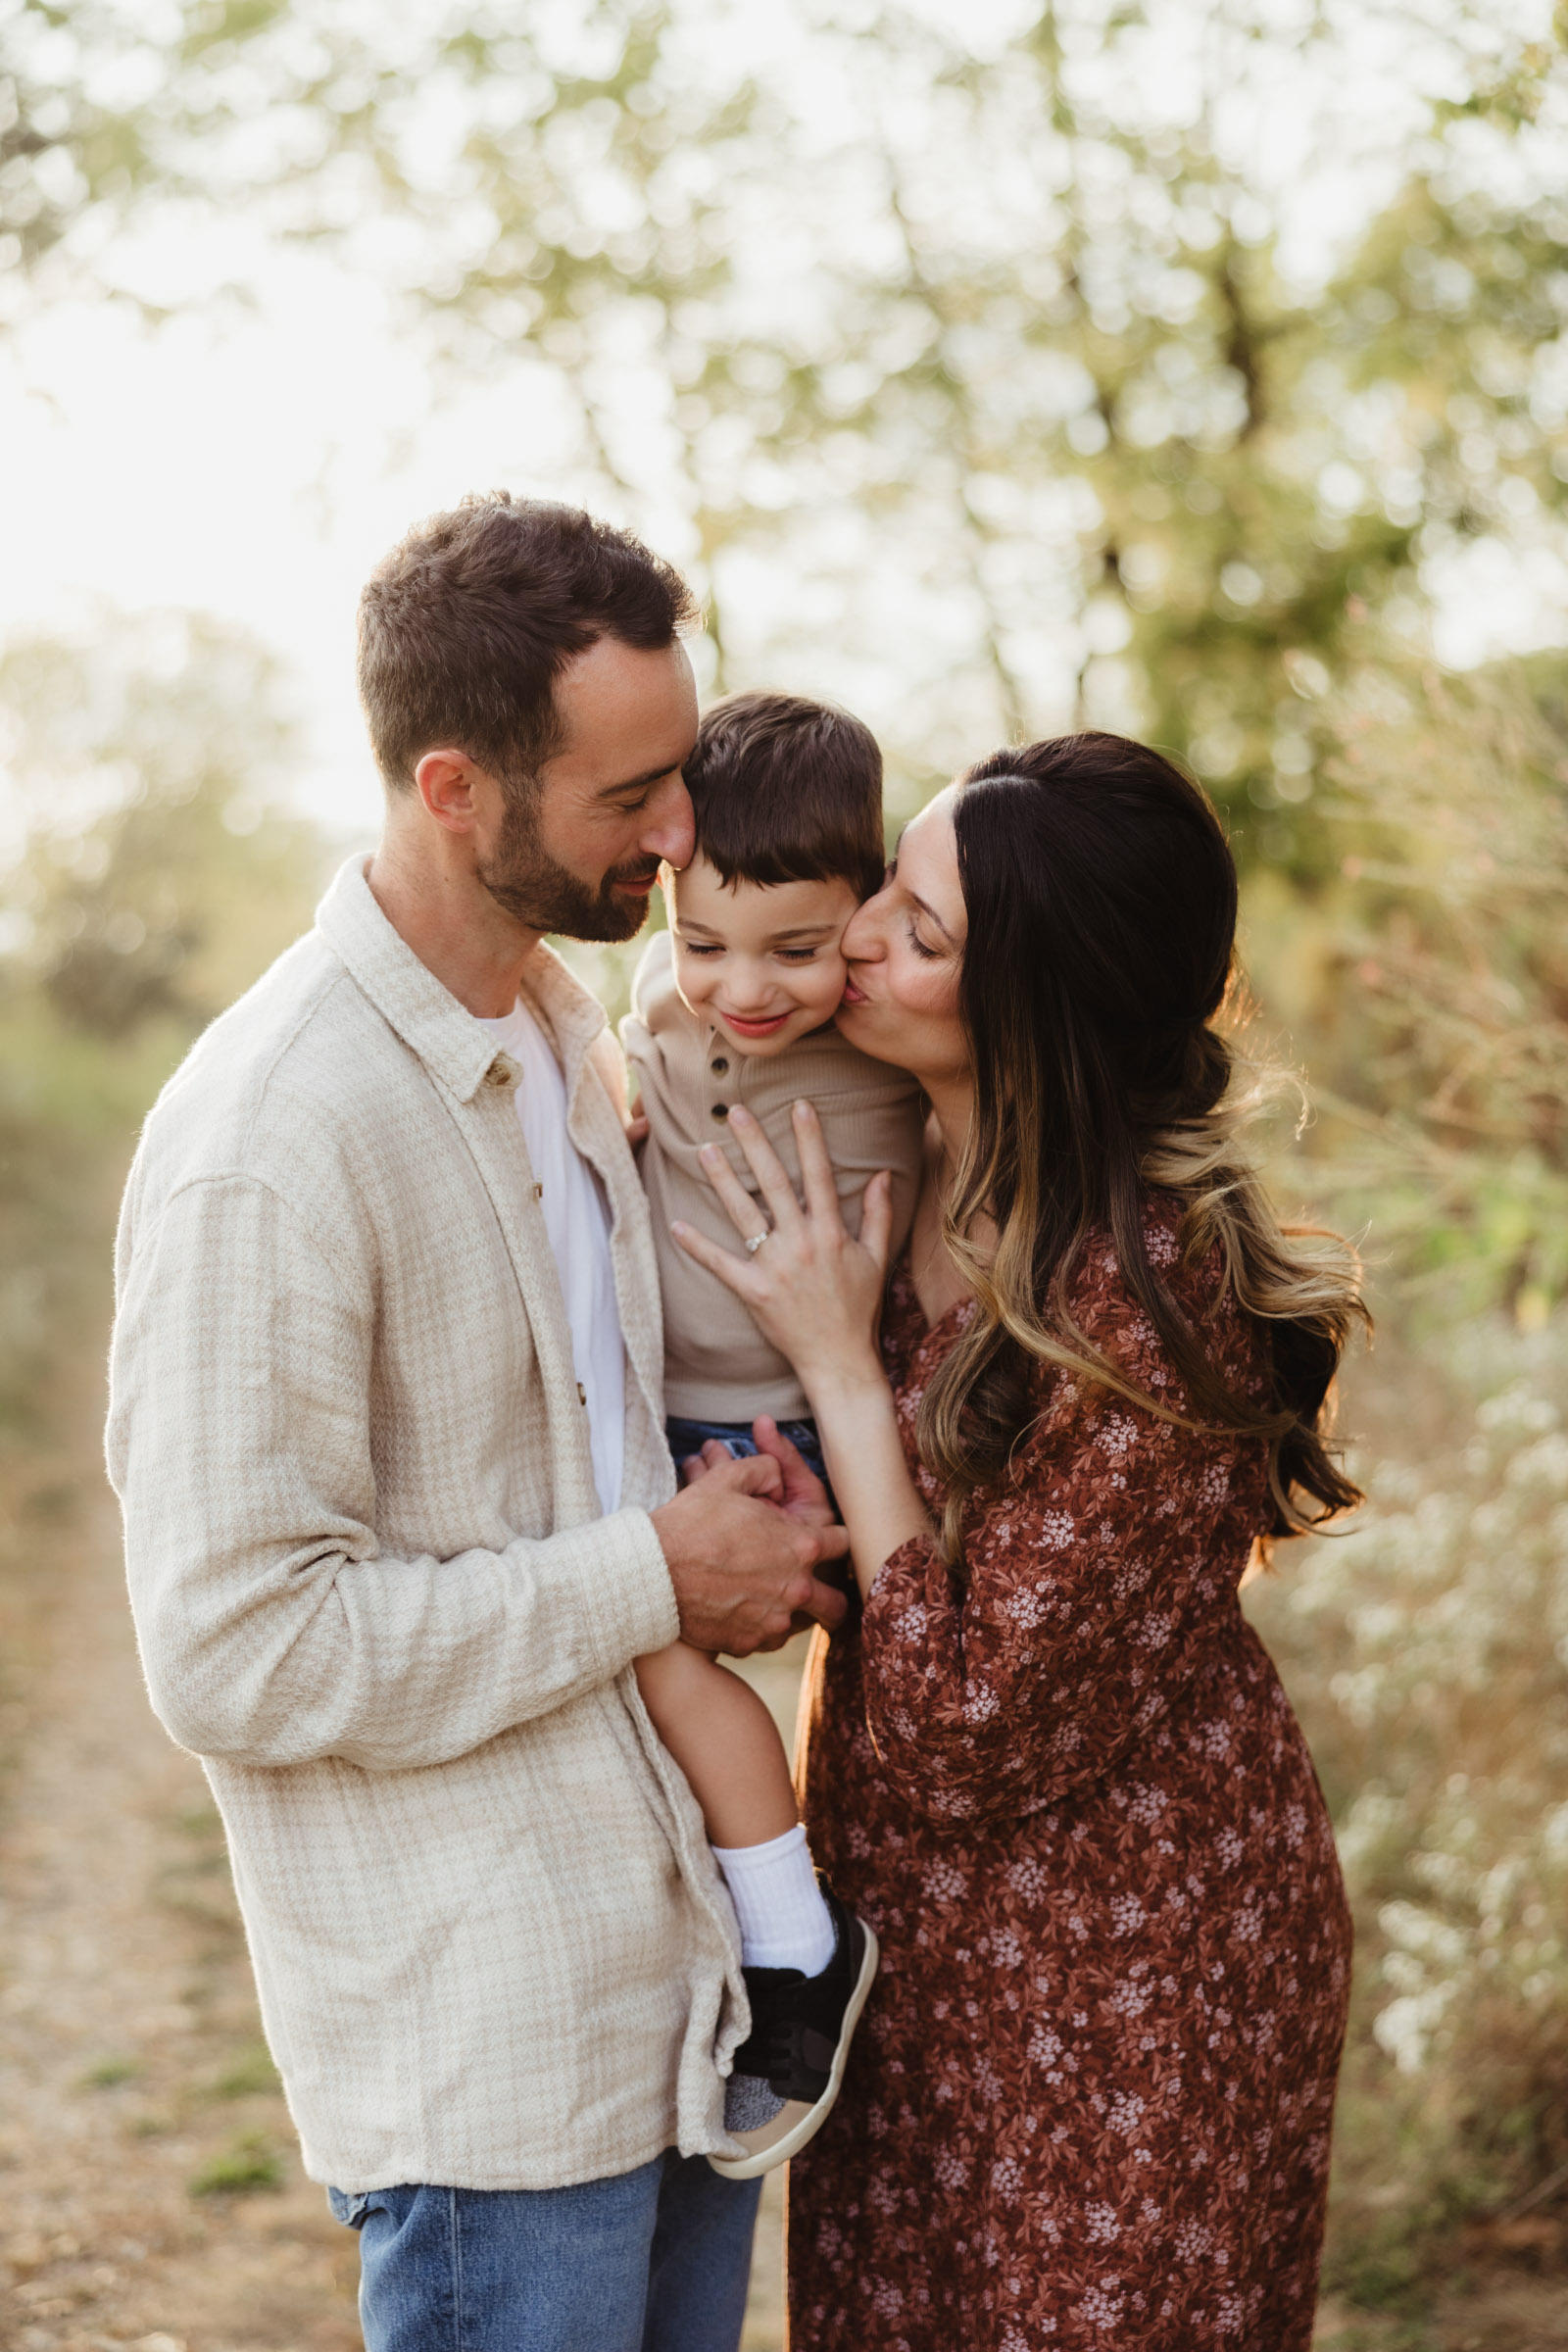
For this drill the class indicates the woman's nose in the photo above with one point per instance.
(861, 941)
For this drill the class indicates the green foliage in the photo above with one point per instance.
(110, 2073)
(1448, 1063)
(1427, 1652)
(157, 875)
(1027, 337)
(248, 2164)
(151, 878)
(985, 376)
(249, 2073)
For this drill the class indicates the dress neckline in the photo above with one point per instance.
(902, 1287)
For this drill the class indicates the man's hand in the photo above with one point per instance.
(740, 1565)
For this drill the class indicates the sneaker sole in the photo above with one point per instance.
(791, 2136)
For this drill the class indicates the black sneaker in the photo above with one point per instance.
(789, 2069)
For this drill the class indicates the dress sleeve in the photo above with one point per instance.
(1094, 1578)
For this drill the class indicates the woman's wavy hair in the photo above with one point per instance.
(1102, 899)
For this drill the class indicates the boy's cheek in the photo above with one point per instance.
(829, 989)
(694, 984)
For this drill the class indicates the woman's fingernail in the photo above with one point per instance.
(709, 1154)
(679, 1229)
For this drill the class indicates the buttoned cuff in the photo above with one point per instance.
(630, 1599)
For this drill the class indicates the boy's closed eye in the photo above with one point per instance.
(715, 946)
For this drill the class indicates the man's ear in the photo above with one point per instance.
(444, 781)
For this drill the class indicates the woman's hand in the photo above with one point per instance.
(813, 1291)
(816, 1295)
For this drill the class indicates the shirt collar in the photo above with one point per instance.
(452, 1045)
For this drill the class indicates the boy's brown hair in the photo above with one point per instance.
(787, 790)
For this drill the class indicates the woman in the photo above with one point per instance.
(1053, 1768)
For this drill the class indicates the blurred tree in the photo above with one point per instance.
(985, 359)
(147, 876)
(100, 101)
(1451, 977)
(157, 874)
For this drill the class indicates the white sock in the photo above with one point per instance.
(784, 1921)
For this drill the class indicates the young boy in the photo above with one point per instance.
(735, 1004)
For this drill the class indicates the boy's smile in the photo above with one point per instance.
(759, 960)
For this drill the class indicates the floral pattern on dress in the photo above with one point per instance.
(1090, 2102)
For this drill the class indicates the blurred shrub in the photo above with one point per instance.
(1427, 1653)
(1427, 985)
(151, 876)
(158, 874)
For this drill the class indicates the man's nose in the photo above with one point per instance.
(672, 832)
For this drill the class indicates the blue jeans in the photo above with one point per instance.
(687, 1437)
(652, 2261)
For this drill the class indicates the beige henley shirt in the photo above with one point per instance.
(717, 1365)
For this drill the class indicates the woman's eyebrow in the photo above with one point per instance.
(926, 908)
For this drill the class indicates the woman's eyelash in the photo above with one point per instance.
(919, 946)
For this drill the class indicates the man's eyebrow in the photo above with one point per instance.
(608, 792)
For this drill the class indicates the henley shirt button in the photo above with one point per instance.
(719, 1065)
(721, 1110)
(538, 1192)
(582, 1393)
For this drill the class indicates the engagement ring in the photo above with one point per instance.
(757, 1241)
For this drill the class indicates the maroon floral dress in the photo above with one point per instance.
(1090, 2101)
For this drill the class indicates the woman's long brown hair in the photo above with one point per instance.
(1101, 900)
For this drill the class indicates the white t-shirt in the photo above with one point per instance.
(577, 1222)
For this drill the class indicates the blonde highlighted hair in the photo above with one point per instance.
(1100, 890)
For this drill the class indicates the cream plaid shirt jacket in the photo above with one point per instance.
(374, 1594)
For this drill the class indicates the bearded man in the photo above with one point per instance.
(388, 1430)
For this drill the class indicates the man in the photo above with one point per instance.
(386, 1426)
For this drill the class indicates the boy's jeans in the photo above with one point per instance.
(687, 1437)
(652, 2261)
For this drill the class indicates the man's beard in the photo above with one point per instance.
(524, 879)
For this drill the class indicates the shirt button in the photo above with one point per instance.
(719, 1065)
(538, 1192)
(582, 1393)
(721, 1110)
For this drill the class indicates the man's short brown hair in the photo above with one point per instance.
(787, 790)
(466, 625)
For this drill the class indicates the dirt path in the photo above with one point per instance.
(150, 2194)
